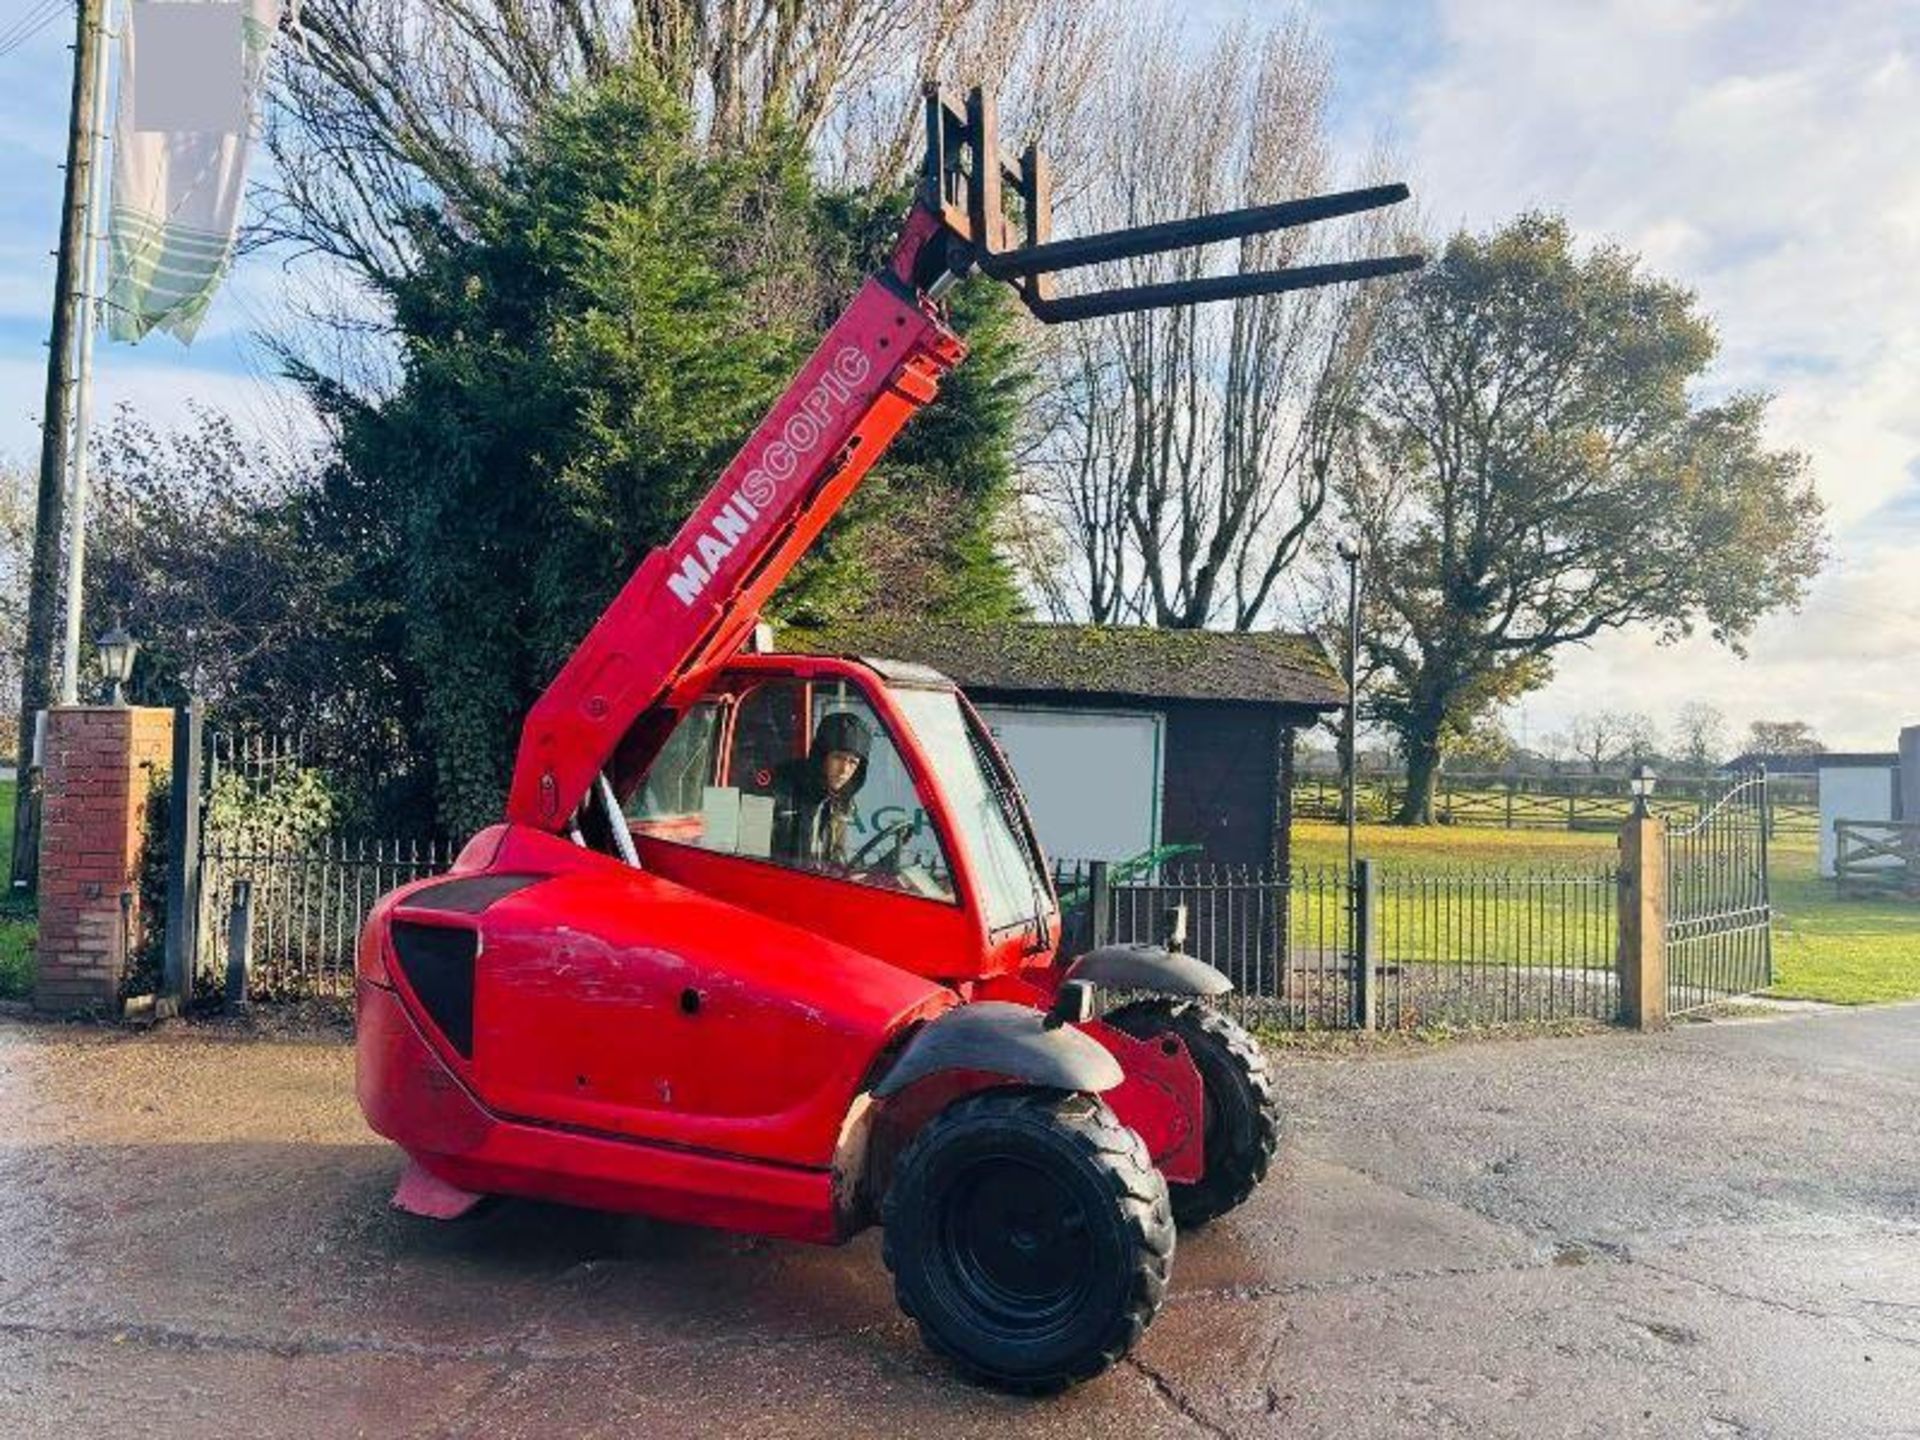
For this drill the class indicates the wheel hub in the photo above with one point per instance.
(1018, 1242)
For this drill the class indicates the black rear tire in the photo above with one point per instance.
(1242, 1115)
(1029, 1236)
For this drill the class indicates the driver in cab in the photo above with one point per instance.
(813, 810)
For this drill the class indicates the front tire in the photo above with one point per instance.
(1029, 1236)
(1242, 1116)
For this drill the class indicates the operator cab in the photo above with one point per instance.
(925, 859)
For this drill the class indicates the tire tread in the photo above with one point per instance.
(1130, 1175)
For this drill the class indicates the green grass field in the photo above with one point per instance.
(16, 929)
(1437, 849)
(1847, 952)
(1851, 952)
(1538, 900)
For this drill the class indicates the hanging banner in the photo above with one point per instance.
(191, 77)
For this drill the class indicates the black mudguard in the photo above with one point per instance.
(1004, 1039)
(1152, 968)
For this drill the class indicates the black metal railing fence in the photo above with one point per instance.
(295, 840)
(1460, 947)
(1469, 947)
(1497, 946)
(301, 906)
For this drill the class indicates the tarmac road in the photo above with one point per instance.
(1711, 1232)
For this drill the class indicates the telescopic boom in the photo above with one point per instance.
(691, 604)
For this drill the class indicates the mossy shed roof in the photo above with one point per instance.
(1268, 667)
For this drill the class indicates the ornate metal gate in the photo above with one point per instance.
(1719, 912)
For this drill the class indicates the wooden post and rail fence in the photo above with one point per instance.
(1546, 802)
(1877, 857)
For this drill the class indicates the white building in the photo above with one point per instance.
(1858, 786)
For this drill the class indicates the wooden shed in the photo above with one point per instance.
(1129, 740)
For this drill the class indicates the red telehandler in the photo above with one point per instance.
(654, 988)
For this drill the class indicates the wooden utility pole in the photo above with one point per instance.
(43, 596)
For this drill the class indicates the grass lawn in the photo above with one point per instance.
(1851, 952)
(17, 928)
(1454, 895)
(1848, 952)
(1436, 849)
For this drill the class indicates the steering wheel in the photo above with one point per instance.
(898, 833)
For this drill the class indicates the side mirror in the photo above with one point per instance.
(1072, 1005)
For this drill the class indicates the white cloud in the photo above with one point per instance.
(1846, 665)
(1765, 152)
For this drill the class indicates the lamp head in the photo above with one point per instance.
(117, 652)
(1641, 783)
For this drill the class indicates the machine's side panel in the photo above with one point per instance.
(629, 1005)
(935, 938)
(409, 1096)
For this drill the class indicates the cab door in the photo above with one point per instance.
(895, 897)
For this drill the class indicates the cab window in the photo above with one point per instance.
(684, 768)
(798, 774)
(766, 734)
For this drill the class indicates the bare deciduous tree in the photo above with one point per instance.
(388, 111)
(1042, 58)
(1699, 735)
(1783, 737)
(1189, 450)
(1609, 737)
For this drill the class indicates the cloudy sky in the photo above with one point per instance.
(1765, 152)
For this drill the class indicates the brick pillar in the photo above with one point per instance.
(101, 762)
(1643, 922)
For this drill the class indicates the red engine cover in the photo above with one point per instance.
(609, 999)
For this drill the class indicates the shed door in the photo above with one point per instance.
(1091, 777)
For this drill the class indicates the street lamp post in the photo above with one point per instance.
(1349, 552)
(117, 649)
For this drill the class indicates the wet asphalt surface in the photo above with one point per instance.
(1710, 1232)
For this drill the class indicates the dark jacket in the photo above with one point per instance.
(801, 834)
